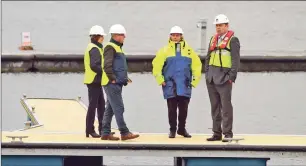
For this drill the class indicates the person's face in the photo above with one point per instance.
(175, 37)
(221, 28)
(119, 37)
(101, 39)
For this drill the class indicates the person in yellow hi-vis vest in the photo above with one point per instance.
(178, 69)
(92, 78)
(221, 68)
(115, 77)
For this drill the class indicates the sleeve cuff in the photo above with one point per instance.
(160, 79)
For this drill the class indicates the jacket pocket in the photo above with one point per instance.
(188, 77)
(169, 88)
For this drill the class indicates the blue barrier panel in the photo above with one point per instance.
(224, 161)
(31, 160)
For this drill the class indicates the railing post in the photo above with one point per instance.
(178, 161)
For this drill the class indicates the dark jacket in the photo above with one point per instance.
(213, 73)
(109, 54)
(95, 62)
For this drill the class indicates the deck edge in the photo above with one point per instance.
(89, 146)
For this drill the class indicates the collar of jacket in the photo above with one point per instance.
(97, 43)
(172, 43)
(222, 37)
(117, 43)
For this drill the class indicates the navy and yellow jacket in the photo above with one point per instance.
(179, 67)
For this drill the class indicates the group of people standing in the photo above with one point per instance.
(176, 67)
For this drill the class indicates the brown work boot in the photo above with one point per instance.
(109, 137)
(129, 136)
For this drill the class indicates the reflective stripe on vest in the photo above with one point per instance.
(226, 59)
(119, 66)
(89, 75)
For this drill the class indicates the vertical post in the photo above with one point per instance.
(202, 24)
(178, 161)
(83, 161)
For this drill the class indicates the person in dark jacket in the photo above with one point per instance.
(221, 69)
(92, 78)
(116, 76)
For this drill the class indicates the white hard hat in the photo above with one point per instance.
(176, 29)
(221, 19)
(97, 30)
(117, 28)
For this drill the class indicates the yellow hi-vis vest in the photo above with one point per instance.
(105, 79)
(89, 75)
(221, 57)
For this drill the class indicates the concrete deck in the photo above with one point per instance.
(61, 121)
(56, 115)
(58, 129)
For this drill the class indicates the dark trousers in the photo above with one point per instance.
(221, 107)
(181, 103)
(96, 101)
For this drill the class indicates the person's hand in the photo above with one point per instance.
(163, 84)
(113, 82)
(230, 81)
(129, 80)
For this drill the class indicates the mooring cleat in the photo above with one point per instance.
(20, 138)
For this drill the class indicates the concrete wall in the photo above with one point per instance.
(137, 63)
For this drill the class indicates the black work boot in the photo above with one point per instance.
(172, 134)
(215, 138)
(183, 133)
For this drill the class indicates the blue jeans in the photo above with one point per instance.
(114, 106)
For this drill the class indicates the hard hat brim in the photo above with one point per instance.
(117, 33)
(220, 23)
(102, 34)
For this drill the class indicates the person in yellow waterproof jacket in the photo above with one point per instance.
(178, 69)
